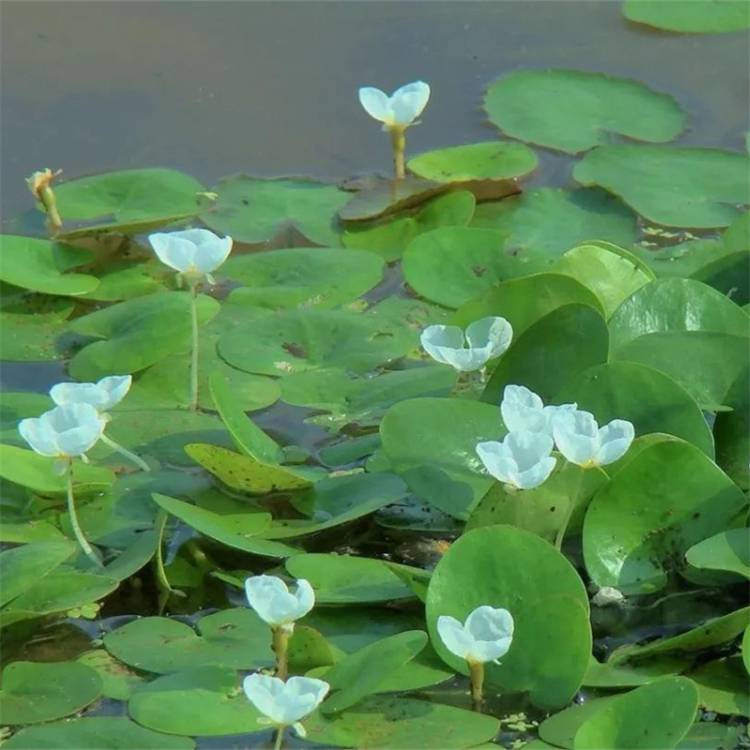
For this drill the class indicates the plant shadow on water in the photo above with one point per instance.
(447, 458)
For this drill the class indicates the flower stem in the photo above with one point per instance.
(194, 353)
(280, 648)
(137, 460)
(279, 738)
(572, 504)
(165, 587)
(398, 139)
(88, 550)
(476, 674)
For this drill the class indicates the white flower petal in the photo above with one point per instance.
(496, 458)
(376, 103)
(77, 393)
(274, 603)
(576, 436)
(536, 475)
(454, 637)
(175, 252)
(285, 703)
(39, 436)
(264, 693)
(492, 631)
(210, 255)
(114, 388)
(305, 596)
(614, 440)
(522, 409)
(493, 334)
(408, 102)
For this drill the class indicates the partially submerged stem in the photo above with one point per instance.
(88, 550)
(281, 637)
(194, 352)
(279, 738)
(165, 588)
(476, 674)
(398, 139)
(572, 505)
(137, 460)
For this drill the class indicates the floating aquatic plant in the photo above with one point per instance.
(522, 460)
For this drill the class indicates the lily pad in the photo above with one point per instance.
(690, 16)
(136, 333)
(573, 110)
(297, 340)
(732, 432)
(727, 551)
(344, 579)
(235, 638)
(254, 210)
(542, 224)
(118, 681)
(41, 265)
(613, 676)
(642, 522)
(36, 692)
(506, 567)
(677, 187)
(127, 202)
(22, 567)
(303, 277)
(723, 686)
(652, 401)
(110, 732)
(491, 160)
(33, 337)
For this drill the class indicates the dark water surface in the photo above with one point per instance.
(269, 88)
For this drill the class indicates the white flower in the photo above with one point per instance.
(486, 338)
(522, 409)
(102, 395)
(580, 439)
(63, 432)
(275, 604)
(486, 635)
(522, 459)
(400, 109)
(192, 251)
(285, 703)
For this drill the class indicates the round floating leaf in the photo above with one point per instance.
(40, 265)
(110, 732)
(118, 682)
(136, 333)
(297, 340)
(542, 224)
(652, 401)
(255, 210)
(204, 700)
(389, 238)
(693, 16)
(723, 686)
(687, 330)
(129, 201)
(732, 432)
(728, 551)
(303, 277)
(505, 567)
(678, 187)
(553, 350)
(560, 728)
(573, 110)
(447, 472)
(490, 160)
(613, 274)
(22, 567)
(344, 579)
(612, 676)
(642, 522)
(360, 674)
(32, 337)
(655, 716)
(453, 264)
(235, 638)
(127, 280)
(240, 531)
(402, 724)
(34, 692)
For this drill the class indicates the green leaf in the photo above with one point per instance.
(555, 349)
(128, 280)
(612, 676)
(732, 432)
(489, 160)
(723, 686)
(641, 523)
(250, 209)
(542, 224)
(129, 201)
(746, 649)
(678, 187)
(297, 340)
(118, 680)
(22, 567)
(445, 472)
(35, 692)
(344, 579)
(687, 330)
(111, 732)
(402, 724)
(505, 567)
(692, 16)
(652, 717)
(303, 277)
(136, 333)
(572, 110)
(652, 401)
(206, 701)
(41, 265)
(727, 550)
(33, 337)
(235, 638)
